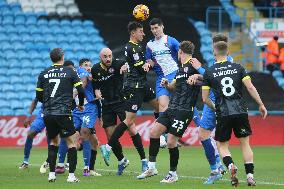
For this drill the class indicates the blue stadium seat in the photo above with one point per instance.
(7, 46)
(16, 80)
(16, 104)
(7, 87)
(52, 45)
(31, 20)
(3, 71)
(73, 38)
(77, 47)
(8, 20)
(49, 38)
(10, 54)
(20, 20)
(14, 37)
(18, 45)
(12, 96)
(26, 64)
(75, 23)
(42, 22)
(27, 79)
(206, 48)
(85, 38)
(45, 29)
(89, 47)
(56, 30)
(79, 30)
(38, 38)
(199, 24)
(31, 88)
(93, 32)
(26, 103)
(15, 8)
(61, 38)
(26, 71)
(26, 96)
(6, 111)
(3, 37)
(22, 55)
(13, 72)
(14, 63)
(36, 72)
(53, 23)
(206, 40)
(22, 30)
(3, 78)
(21, 112)
(27, 37)
(4, 104)
(65, 23)
(35, 30)
(88, 23)
(277, 74)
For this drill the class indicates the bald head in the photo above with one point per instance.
(106, 56)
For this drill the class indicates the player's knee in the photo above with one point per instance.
(154, 133)
(85, 133)
(31, 134)
(171, 143)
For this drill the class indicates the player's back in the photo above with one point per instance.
(225, 78)
(57, 83)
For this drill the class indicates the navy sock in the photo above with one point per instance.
(63, 149)
(28, 147)
(154, 149)
(249, 168)
(72, 159)
(117, 133)
(52, 155)
(136, 139)
(93, 159)
(210, 153)
(156, 115)
(174, 157)
(227, 160)
(86, 152)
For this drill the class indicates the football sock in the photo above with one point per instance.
(136, 139)
(52, 155)
(93, 159)
(249, 167)
(118, 132)
(156, 115)
(27, 150)
(117, 151)
(210, 153)
(86, 152)
(174, 157)
(227, 160)
(154, 149)
(62, 151)
(72, 159)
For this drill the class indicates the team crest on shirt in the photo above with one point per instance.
(111, 70)
(185, 69)
(136, 56)
(134, 107)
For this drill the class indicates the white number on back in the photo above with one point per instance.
(57, 82)
(227, 83)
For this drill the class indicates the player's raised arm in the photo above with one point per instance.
(149, 62)
(170, 86)
(205, 92)
(254, 94)
(39, 88)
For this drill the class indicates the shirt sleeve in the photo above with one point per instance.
(175, 44)
(206, 81)
(95, 81)
(75, 78)
(148, 54)
(39, 87)
(244, 74)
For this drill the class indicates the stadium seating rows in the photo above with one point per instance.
(25, 42)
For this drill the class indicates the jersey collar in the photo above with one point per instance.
(103, 66)
(221, 62)
(186, 62)
(57, 64)
(133, 42)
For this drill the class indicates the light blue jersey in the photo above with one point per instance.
(164, 53)
(38, 124)
(87, 118)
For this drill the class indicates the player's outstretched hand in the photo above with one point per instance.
(263, 111)
(146, 67)
(81, 108)
(193, 79)
(124, 68)
(27, 121)
(195, 63)
(164, 82)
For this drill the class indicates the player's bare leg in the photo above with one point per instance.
(94, 148)
(248, 160)
(172, 177)
(228, 161)
(154, 147)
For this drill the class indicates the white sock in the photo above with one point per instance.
(52, 174)
(121, 161)
(152, 165)
(143, 159)
(60, 164)
(26, 162)
(174, 173)
(250, 175)
(108, 147)
(71, 175)
(86, 167)
(230, 166)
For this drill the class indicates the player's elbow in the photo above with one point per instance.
(250, 88)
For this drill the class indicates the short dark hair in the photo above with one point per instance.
(187, 47)
(83, 60)
(68, 63)
(156, 21)
(133, 25)
(220, 37)
(221, 47)
(56, 55)
(275, 37)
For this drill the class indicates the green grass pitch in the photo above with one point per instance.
(192, 170)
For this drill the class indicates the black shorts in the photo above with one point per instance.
(238, 123)
(134, 97)
(59, 124)
(176, 121)
(111, 112)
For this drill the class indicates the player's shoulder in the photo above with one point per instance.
(171, 39)
(96, 66)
